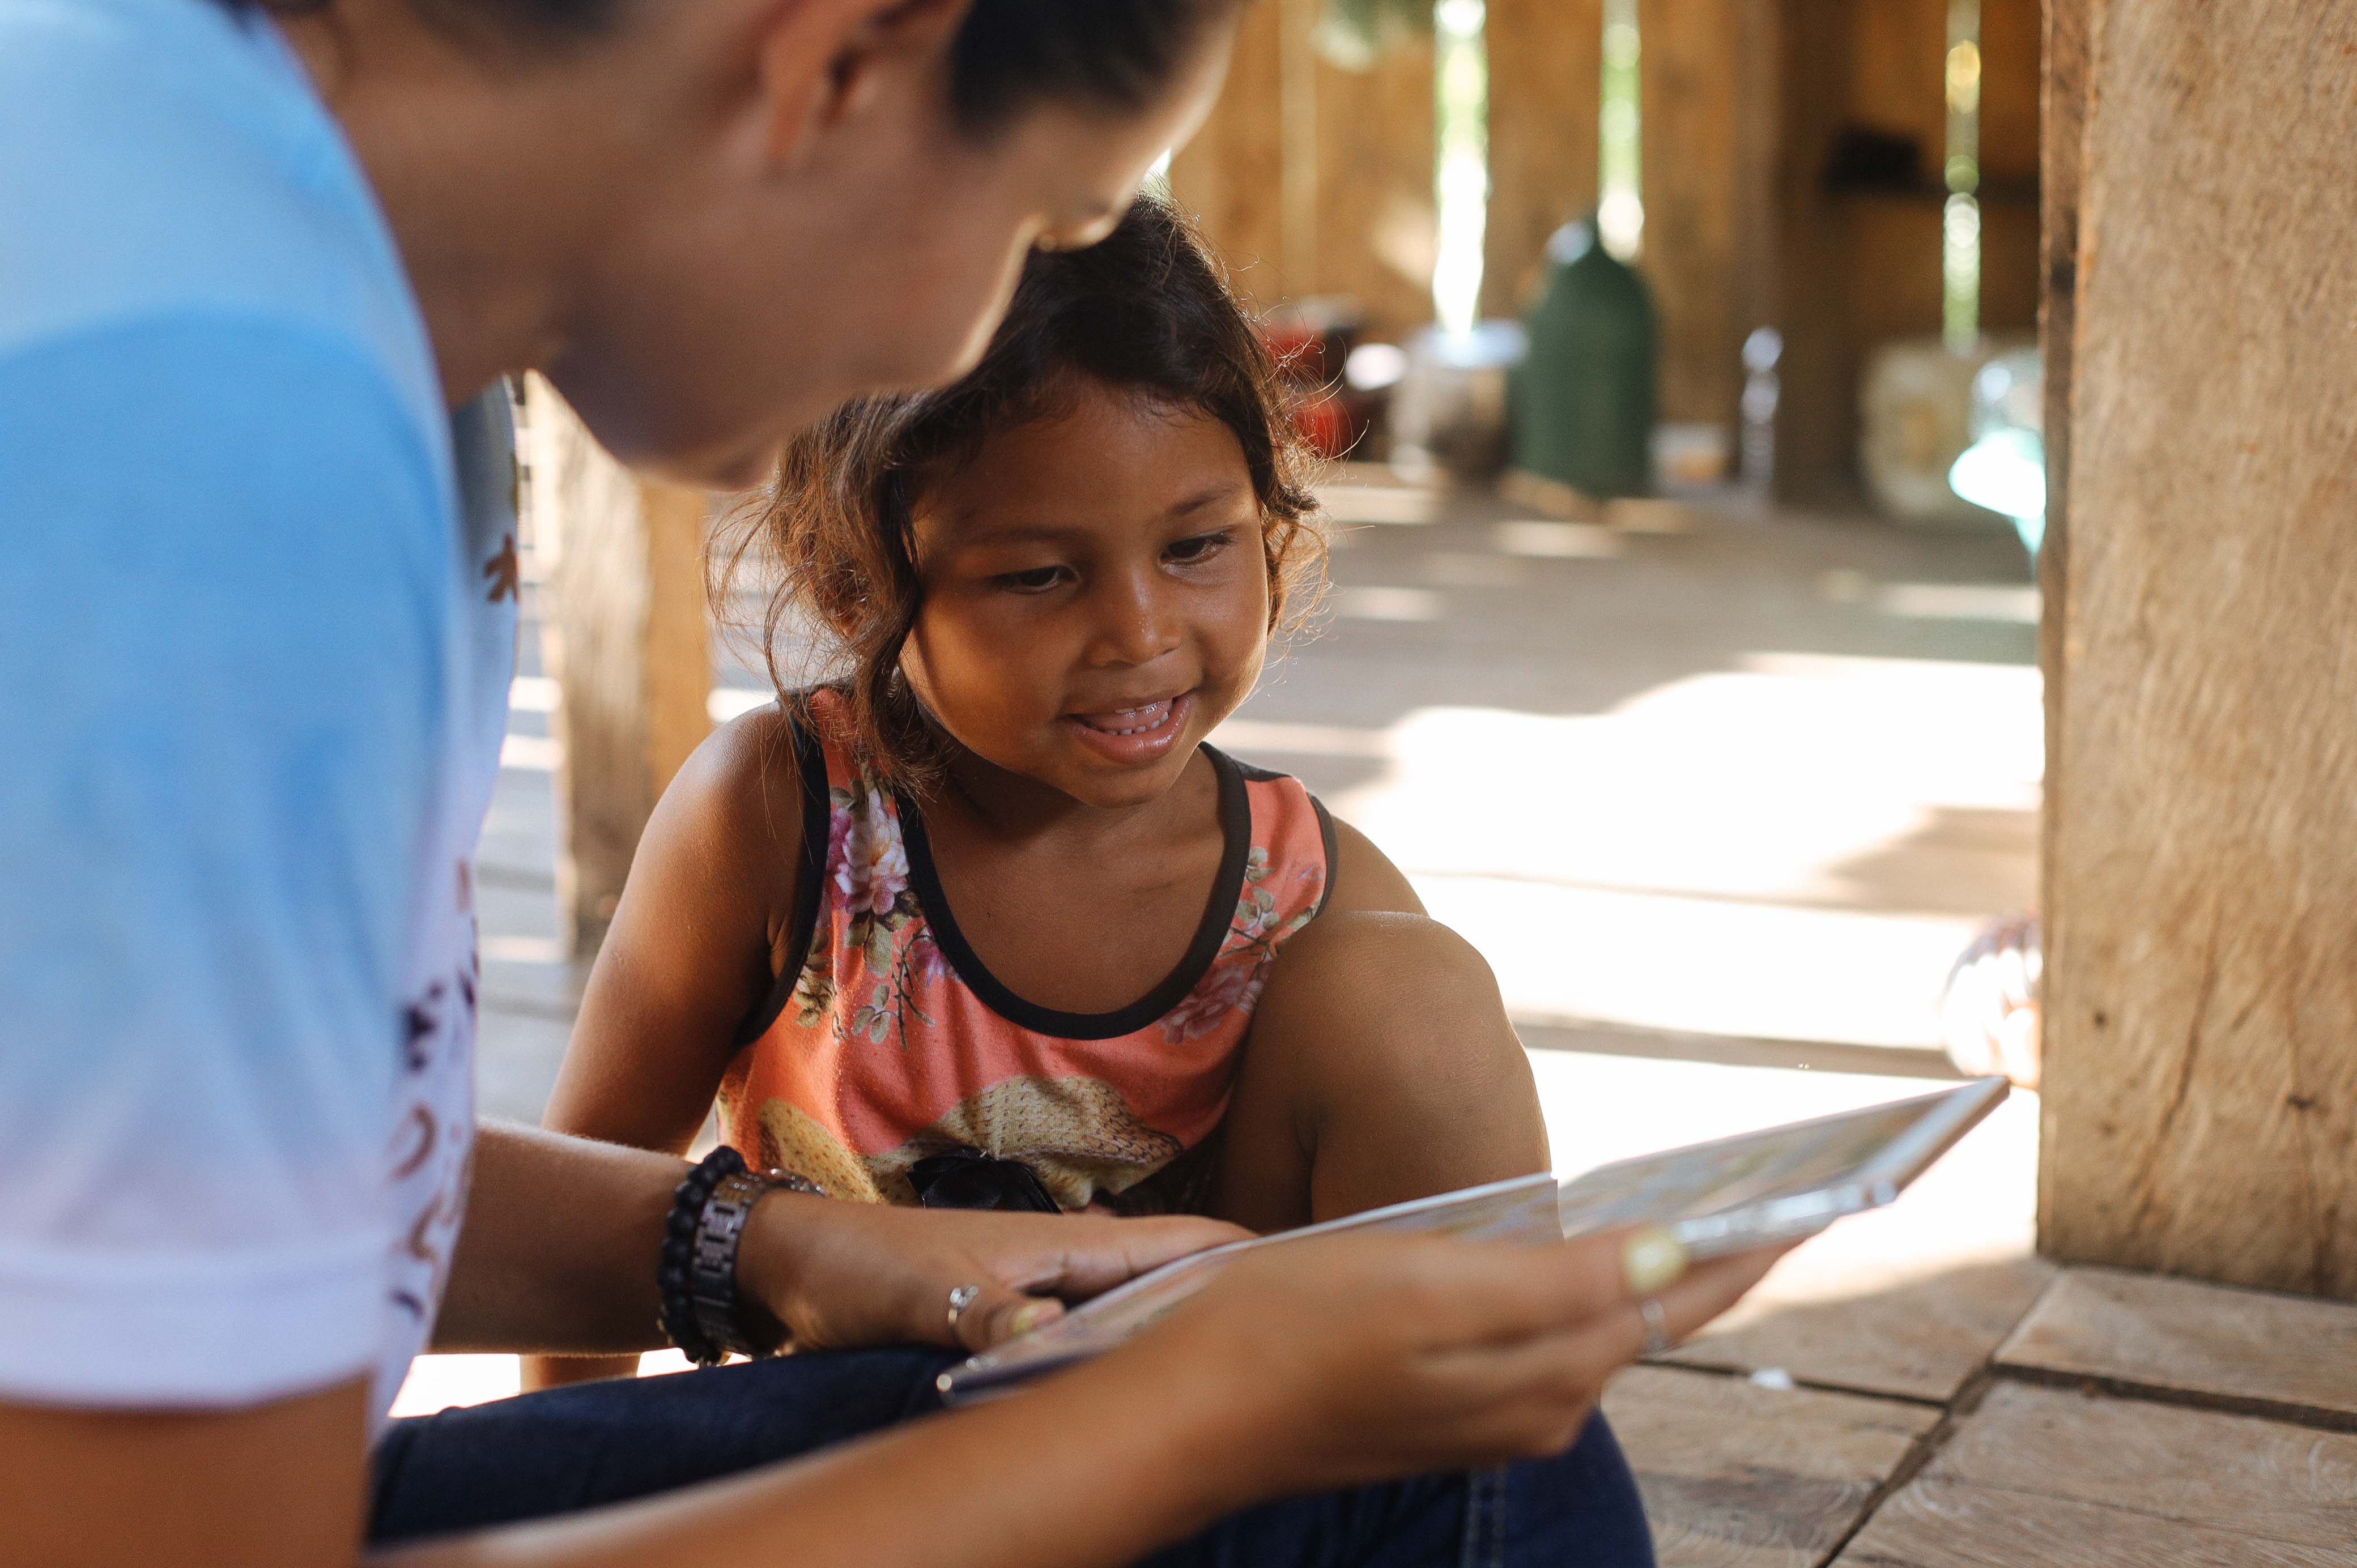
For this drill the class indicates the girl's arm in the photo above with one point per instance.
(690, 953)
(1364, 879)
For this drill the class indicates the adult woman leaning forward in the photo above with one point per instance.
(257, 634)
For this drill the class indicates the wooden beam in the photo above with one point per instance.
(1693, 70)
(1546, 75)
(624, 635)
(1378, 226)
(2200, 1009)
(1232, 178)
(1803, 68)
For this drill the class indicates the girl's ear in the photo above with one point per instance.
(825, 65)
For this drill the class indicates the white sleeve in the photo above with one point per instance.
(222, 574)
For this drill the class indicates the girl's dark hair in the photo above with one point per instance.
(1145, 312)
(1117, 55)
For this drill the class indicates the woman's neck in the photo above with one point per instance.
(488, 188)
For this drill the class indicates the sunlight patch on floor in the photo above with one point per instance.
(1795, 848)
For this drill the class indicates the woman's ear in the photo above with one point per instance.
(823, 65)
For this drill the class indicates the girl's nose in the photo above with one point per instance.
(1136, 624)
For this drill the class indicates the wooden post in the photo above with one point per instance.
(2069, 24)
(625, 638)
(2201, 1006)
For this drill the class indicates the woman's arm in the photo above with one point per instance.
(690, 953)
(562, 1238)
(1346, 1360)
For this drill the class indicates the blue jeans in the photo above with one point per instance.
(564, 1449)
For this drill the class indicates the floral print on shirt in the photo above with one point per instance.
(1238, 973)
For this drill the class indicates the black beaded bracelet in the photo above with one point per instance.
(697, 1275)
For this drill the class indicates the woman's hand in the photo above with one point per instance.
(1355, 1359)
(840, 1274)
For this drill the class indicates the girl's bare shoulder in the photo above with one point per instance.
(1363, 876)
(736, 804)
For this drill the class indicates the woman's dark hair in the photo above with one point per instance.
(1147, 313)
(1117, 55)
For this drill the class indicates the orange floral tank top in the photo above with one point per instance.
(893, 1044)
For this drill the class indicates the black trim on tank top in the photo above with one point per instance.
(810, 881)
(1325, 823)
(1326, 836)
(1218, 915)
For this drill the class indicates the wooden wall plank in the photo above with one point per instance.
(1805, 68)
(2201, 1009)
(1547, 68)
(1230, 177)
(624, 635)
(2227, 1344)
(1372, 234)
(1377, 233)
(1735, 1476)
(1692, 77)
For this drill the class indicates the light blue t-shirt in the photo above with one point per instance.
(253, 667)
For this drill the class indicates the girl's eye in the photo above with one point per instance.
(1201, 547)
(1037, 580)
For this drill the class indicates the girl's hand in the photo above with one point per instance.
(840, 1274)
(1355, 1359)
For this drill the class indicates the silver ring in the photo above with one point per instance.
(960, 1298)
(1657, 1328)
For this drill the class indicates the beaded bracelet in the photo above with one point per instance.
(697, 1274)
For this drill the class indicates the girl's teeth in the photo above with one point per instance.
(1133, 720)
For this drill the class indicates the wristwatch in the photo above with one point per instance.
(703, 1313)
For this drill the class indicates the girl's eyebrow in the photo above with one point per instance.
(970, 536)
(1208, 496)
(1014, 534)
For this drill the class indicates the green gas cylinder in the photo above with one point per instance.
(1583, 399)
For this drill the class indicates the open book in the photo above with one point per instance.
(1738, 1193)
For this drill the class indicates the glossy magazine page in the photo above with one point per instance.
(1781, 1183)
(1776, 1185)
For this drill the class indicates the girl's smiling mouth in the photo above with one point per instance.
(1138, 732)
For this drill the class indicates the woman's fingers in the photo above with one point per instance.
(994, 1315)
(1487, 1293)
(1092, 1253)
(1689, 1304)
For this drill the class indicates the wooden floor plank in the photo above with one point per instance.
(1921, 1339)
(2188, 1469)
(2201, 1339)
(1741, 1476)
(1940, 1524)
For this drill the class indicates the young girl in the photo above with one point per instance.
(986, 922)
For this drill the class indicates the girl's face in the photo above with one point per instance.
(1095, 598)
